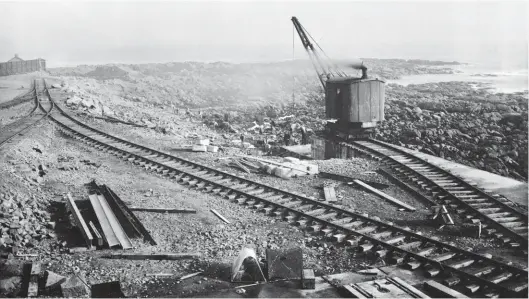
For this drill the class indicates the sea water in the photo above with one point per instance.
(494, 79)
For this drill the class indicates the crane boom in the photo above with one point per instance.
(324, 69)
(309, 47)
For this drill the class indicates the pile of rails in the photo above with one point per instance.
(109, 222)
(288, 168)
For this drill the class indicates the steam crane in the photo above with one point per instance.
(354, 105)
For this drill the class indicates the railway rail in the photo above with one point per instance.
(39, 94)
(497, 215)
(464, 270)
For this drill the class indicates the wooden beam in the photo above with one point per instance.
(79, 221)
(330, 193)
(154, 256)
(164, 210)
(220, 216)
(385, 196)
(438, 290)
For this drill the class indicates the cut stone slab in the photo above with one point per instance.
(10, 286)
(11, 267)
(284, 263)
(53, 279)
(74, 287)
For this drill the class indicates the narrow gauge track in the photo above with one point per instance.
(470, 272)
(39, 93)
(497, 215)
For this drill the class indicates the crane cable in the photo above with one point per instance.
(339, 71)
(293, 73)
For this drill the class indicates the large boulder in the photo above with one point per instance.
(74, 101)
(515, 118)
(88, 103)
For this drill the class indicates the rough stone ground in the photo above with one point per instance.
(203, 232)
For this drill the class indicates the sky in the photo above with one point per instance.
(74, 32)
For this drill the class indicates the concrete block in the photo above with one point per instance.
(203, 142)
(284, 263)
(213, 149)
(199, 148)
(74, 287)
(53, 279)
(107, 290)
(308, 279)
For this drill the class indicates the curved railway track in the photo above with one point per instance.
(39, 93)
(498, 216)
(464, 270)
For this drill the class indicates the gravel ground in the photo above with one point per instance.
(70, 165)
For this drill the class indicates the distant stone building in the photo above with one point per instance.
(17, 65)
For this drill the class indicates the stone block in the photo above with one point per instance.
(213, 149)
(203, 142)
(199, 148)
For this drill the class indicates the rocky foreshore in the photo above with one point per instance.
(472, 127)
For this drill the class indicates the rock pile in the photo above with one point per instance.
(23, 220)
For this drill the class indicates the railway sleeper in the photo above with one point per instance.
(316, 212)
(506, 219)
(516, 286)
(475, 200)
(513, 224)
(500, 277)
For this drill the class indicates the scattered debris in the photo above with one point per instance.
(246, 267)
(152, 256)
(385, 196)
(220, 216)
(164, 210)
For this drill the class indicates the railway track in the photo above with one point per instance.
(39, 94)
(497, 215)
(471, 273)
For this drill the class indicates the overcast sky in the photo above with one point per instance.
(67, 33)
